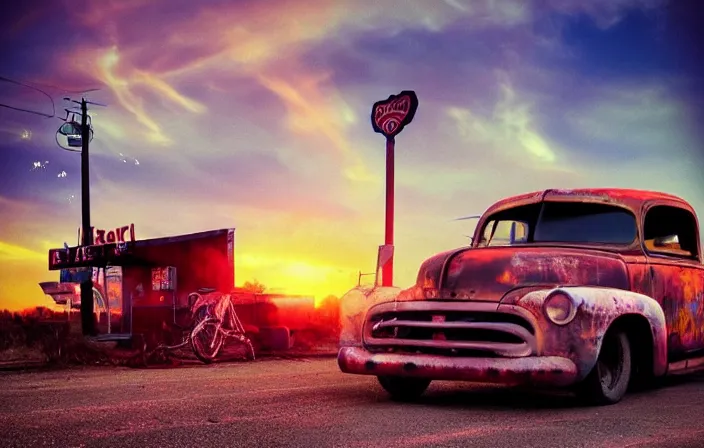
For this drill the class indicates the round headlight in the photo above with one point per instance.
(559, 308)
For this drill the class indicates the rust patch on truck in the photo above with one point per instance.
(488, 273)
(480, 313)
(597, 309)
(680, 290)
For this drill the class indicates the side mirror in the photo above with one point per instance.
(665, 241)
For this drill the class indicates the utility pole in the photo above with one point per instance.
(73, 131)
(87, 312)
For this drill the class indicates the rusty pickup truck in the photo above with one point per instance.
(594, 290)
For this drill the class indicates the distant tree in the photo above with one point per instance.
(329, 310)
(254, 286)
(330, 302)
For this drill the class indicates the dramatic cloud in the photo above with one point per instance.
(256, 115)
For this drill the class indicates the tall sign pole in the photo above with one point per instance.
(389, 117)
(87, 319)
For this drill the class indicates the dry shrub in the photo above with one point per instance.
(324, 331)
(41, 334)
(37, 331)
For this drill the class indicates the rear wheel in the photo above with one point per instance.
(254, 341)
(249, 349)
(206, 340)
(608, 381)
(404, 388)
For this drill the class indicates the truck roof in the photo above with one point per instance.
(631, 198)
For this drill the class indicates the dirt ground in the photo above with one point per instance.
(307, 402)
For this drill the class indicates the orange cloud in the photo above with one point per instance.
(124, 81)
(167, 91)
(317, 110)
(11, 252)
(243, 40)
(262, 40)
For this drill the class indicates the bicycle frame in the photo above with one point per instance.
(221, 308)
(217, 309)
(198, 303)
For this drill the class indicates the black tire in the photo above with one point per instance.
(206, 340)
(404, 388)
(608, 381)
(643, 379)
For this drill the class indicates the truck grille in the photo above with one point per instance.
(451, 328)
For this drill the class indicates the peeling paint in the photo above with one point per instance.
(598, 308)
(353, 308)
(488, 273)
(680, 288)
(499, 289)
(546, 371)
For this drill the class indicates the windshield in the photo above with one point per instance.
(556, 222)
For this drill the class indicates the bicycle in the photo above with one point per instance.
(220, 323)
(213, 320)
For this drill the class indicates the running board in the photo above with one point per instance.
(686, 366)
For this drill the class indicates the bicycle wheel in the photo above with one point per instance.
(250, 350)
(248, 346)
(202, 313)
(206, 340)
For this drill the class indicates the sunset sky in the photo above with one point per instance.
(254, 114)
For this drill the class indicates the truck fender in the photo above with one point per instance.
(598, 308)
(353, 310)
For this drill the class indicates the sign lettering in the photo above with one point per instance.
(112, 236)
(85, 256)
(390, 116)
(108, 245)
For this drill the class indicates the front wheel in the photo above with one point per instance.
(404, 388)
(206, 340)
(608, 381)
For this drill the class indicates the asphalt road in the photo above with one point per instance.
(309, 403)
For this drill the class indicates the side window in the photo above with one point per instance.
(670, 231)
(506, 233)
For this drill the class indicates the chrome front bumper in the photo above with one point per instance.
(531, 370)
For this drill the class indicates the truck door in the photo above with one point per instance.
(671, 242)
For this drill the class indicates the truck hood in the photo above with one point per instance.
(486, 274)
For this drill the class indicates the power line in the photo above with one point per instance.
(60, 89)
(20, 83)
(19, 109)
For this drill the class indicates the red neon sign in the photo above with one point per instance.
(117, 235)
